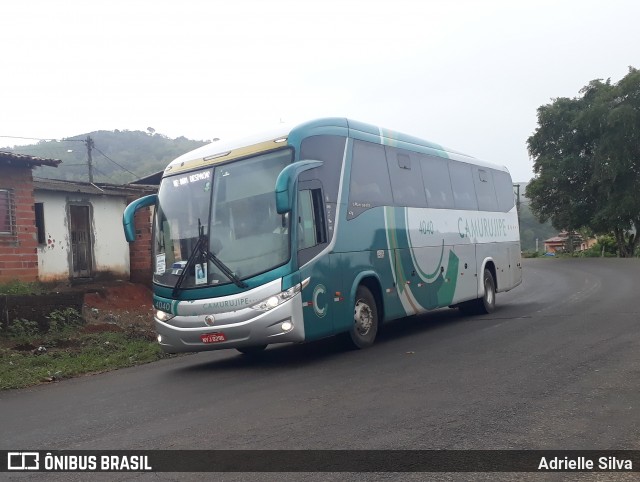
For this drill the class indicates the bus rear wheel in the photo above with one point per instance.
(488, 300)
(365, 319)
(485, 304)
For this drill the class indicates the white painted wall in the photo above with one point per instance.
(110, 249)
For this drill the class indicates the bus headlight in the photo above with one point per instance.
(163, 315)
(276, 300)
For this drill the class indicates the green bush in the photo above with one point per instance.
(21, 329)
(59, 320)
(606, 247)
(530, 254)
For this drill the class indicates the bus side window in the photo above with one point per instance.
(370, 185)
(504, 190)
(406, 179)
(306, 220)
(311, 224)
(464, 193)
(437, 183)
(483, 180)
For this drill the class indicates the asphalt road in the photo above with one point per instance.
(557, 366)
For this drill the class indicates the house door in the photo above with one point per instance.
(81, 253)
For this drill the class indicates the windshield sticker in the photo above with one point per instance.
(177, 267)
(160, 263)
(200, 176)
(201, 274)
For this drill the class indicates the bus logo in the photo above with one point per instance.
(319, 289)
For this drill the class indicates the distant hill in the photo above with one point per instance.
(115, 153)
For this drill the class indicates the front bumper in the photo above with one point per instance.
(242, 328)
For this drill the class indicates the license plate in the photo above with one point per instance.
(213, 338)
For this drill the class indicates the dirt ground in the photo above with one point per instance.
(109, 306)
(118, 302)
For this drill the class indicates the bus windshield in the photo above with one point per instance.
(233, 205)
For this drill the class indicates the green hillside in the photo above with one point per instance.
(118, 156)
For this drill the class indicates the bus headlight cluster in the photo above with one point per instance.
(163, 315)
(276, 300)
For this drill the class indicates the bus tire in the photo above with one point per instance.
(365, 319)
(252, 350)
(485, 304)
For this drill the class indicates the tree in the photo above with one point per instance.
(586, 153)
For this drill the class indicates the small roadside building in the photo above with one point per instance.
(80, 235)
(556, 244)
(53, 230)
(560, 243)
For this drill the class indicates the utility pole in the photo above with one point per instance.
(517, 186)
(89, 143)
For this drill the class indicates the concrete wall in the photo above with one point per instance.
(110, 249)
(37, 307)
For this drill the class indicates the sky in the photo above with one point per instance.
(469, 75)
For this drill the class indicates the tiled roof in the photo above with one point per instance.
(150, 180)
(556, 239)
(89, 188)
(25, 160)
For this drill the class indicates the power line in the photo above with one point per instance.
(40, 139)
(103, 174)
(90, 145)
(120, 166)
(28, 138)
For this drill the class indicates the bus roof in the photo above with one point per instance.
(224, 150)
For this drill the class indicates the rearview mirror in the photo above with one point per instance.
(130, 211)
(286, 183)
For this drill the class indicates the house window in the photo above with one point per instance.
(7, 213)
(39, 210)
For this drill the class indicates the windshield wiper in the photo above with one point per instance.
(221, 266)
(201, 248)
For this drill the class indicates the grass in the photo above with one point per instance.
(69, 351)
(21, 288)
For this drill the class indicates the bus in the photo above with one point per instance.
(331, 227)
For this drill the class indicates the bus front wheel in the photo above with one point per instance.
(365, 319)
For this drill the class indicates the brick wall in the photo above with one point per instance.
(140, 249)
(18, 255)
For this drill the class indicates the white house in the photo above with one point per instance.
(79, 229)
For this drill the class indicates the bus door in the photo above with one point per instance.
(314, 262)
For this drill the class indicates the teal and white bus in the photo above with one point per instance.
(333, 226)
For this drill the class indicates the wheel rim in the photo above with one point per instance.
(488, 290)
(363, 317)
